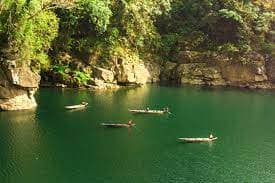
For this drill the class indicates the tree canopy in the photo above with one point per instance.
(37, 32)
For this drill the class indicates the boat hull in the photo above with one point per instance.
(193, 140)
(148, 112)
(117, 125)
(81, 106)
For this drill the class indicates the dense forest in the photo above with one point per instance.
(63, 37)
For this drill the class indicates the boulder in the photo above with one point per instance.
(96, 83)
(104, 74)
(137, 72)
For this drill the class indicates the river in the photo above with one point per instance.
(52, 145)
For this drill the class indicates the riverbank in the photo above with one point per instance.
(18, 84)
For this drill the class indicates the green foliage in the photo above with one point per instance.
(97, 12)
(101, 31)
(93, 30)
(263, 21)
(230, 14)
(268, 48)
(62, 69)
(228, 48)
(27, 30)
(169, 42)
(230, 27)
(81, 78)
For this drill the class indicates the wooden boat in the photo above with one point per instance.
(117, 125)
(141, 111)
(79, 106)
(198, 139)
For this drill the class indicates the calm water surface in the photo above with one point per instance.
(52, 145)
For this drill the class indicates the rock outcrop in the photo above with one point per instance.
(104, 74)
(17, 86)
(124, 72)
(252, 74)
(193, 73)
(137, 72)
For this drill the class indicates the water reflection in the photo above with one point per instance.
(25, 116)
(18, 134)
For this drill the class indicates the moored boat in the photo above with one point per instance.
(198, 139)
(117, 125)
(146, 111)
(79, 106)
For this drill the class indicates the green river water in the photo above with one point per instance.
(52, 145)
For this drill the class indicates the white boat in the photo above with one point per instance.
(142, 111)
(79, 106)
(198, 139)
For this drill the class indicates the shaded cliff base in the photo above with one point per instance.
(259, 73)
(119, 73)
(17, 87)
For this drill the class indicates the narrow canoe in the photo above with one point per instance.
(198, 139)
(77, 106)
(148, 111)
(117, 125)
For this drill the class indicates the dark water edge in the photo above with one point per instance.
(50, 144)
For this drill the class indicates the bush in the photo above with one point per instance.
(268, 48)
(81, 78)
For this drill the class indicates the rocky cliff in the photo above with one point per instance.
(217, 71)
(125, 72)
(119, 71)
(17, 86)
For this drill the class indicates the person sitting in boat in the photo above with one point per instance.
(130, 122)
(211, 136)
(147, 109)
(166, 109)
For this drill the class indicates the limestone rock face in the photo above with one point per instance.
(252, 75)
(104, 74)
(245, 75)
(195, 73)
(201, 74)
(137, 72)
(96, 83)
(17, 87)
(124, 72)
(19, 102)
(27, 78)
